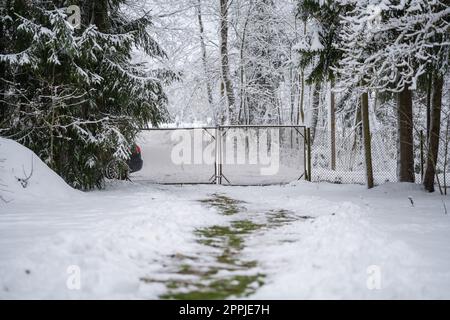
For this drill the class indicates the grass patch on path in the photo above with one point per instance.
(223, 272)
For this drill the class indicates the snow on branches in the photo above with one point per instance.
(77, 91)
(388, 45)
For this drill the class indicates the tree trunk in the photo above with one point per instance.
(99, 16)
(332, 127)
(224, 58)
(242, 98)
(357, 126)
(429, 90)
(301, 113)
(301, 78)
(292, 81)
(435, 128)
(315, 111)
(447, 142)
(405, 161)
(366, 136)
(205, 65)
(242, 85)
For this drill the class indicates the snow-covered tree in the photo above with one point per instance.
(388, 46)
(75, 96)
(319, 51)
(264, 58)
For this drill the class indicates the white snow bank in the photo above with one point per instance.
(333, 256)
(396, 233)
(110, 239)
(24, 177)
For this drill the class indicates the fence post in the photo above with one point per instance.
(305, 144)
(421, 156)
(308, 133)
(218, 155)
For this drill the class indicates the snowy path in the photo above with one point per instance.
(114, 236)
(296, 241)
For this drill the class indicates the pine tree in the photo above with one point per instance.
(74, 96)
(320, 52)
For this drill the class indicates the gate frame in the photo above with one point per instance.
(220, 131)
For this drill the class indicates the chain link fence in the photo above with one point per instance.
(350, 162)
(224, 154)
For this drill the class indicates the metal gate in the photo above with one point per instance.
(229, 155)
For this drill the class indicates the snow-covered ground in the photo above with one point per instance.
(133, 240)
